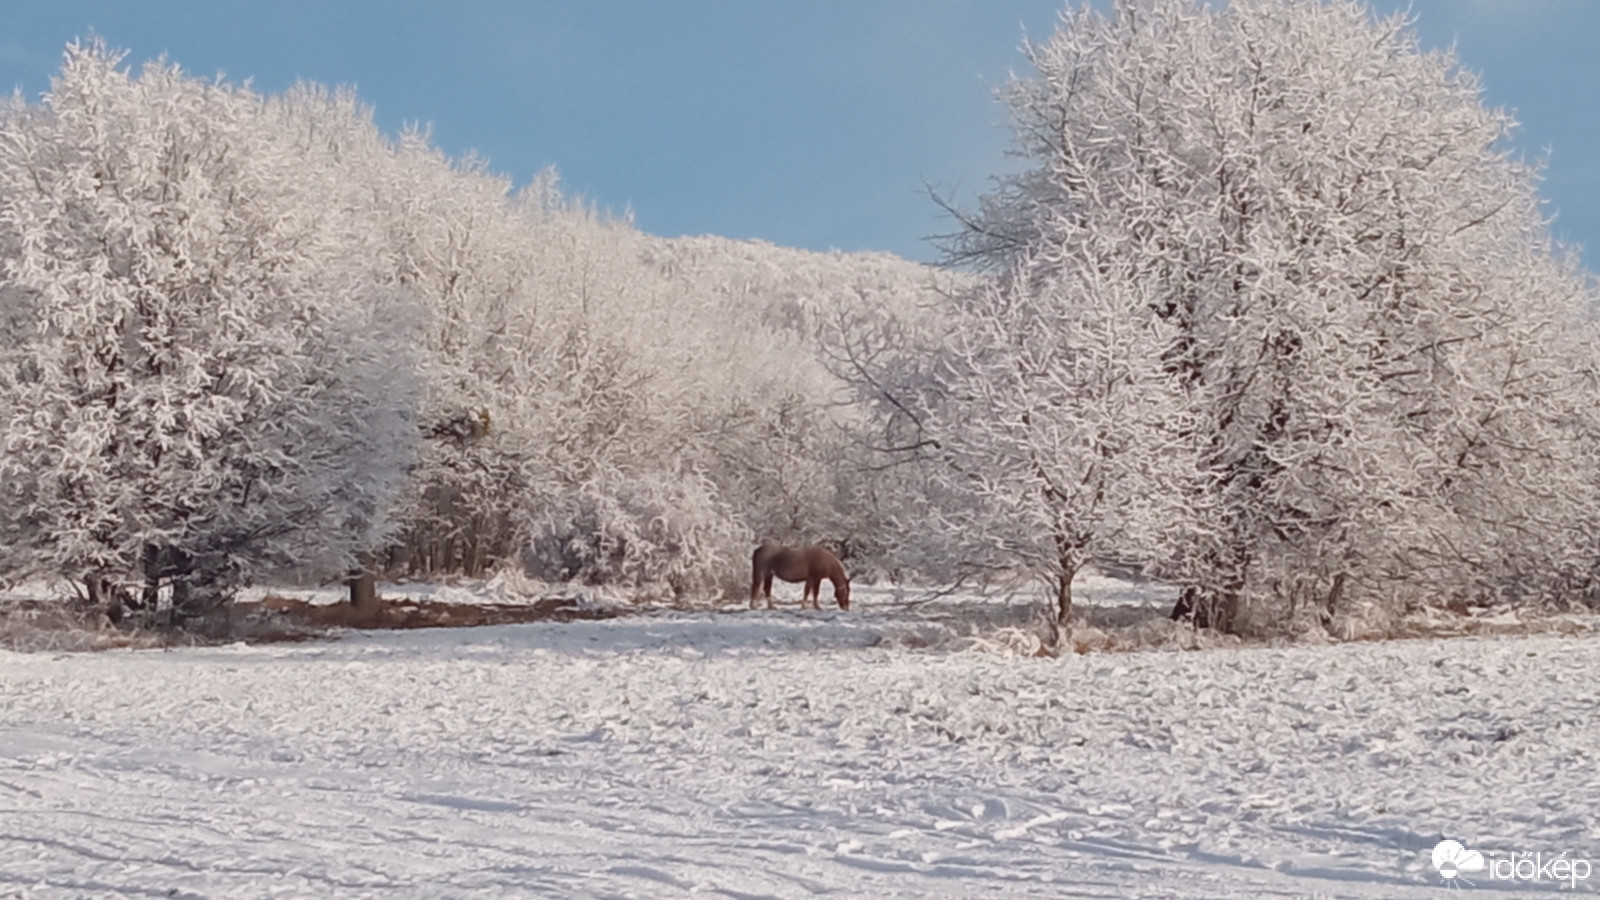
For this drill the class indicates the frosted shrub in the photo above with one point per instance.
(641, 532)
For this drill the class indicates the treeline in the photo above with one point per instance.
(244, 335)
(1269, 312)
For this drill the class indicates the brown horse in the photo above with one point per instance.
(808, 564)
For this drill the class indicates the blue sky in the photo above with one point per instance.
(808, 123)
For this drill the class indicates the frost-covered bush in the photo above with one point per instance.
(650, 531)
(786, 435)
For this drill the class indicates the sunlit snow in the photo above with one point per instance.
(785, 754)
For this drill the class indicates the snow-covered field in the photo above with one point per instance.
(788, 754)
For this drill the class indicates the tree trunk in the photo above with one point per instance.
(150, 595)
(1064, 598)
(182, 597)
(364, 586)
(104, 597)
(1208, 609)
(1068, 560)
(171, 569)
(1330, 606)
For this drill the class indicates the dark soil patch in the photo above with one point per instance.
(288, 619)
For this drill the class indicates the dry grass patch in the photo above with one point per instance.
(287, 618)
(59, 625)
(30, 626)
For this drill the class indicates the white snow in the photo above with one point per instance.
(786, 754)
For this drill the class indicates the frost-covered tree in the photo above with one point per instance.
(1028, 421)
(787, 447)
(583, 379)
(1053, 430)
(1370, 331)
(202, 374)
(454, 242)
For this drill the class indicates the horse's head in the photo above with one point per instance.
(841, 593)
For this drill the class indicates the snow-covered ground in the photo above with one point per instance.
(786, 754)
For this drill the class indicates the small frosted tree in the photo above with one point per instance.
(201, 377)
(1050, 429)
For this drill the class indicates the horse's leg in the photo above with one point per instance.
(813, 589)
(766, 587)
(755, 584)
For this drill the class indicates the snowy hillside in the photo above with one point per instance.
(781, 754)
